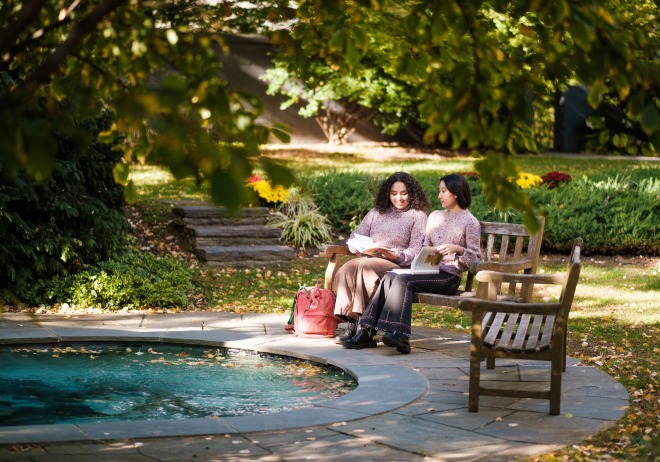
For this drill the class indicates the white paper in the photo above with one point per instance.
(427, 261)
(360, 242)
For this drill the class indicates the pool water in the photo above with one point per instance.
(138, 381)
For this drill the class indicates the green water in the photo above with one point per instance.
(102, 382)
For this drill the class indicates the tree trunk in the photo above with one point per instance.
(341, 119)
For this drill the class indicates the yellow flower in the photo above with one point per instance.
(267, 192)
(528, 180)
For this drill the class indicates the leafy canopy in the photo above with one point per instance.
(476, 64)
(155, 65)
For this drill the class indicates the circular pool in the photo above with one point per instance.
(96, 382)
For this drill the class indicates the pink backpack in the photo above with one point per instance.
(314, 313)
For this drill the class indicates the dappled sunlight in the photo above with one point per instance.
(150, 175)
(613, 288)
(367, 157)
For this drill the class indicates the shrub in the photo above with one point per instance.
(59, 226)
(343, 197)
(134, 280)
(301, 223)
(614, 214)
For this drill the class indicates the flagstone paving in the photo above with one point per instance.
(405, 408)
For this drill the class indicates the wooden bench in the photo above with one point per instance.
(531, 331)
(505, 247)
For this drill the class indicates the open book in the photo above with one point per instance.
(426, 261)
(365, 245)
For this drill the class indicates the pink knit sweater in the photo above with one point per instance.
(458, 228)
(396, 229)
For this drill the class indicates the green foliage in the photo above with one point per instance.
(476, 66)
(626, 138)
(301, 222)
(133, 279)
(343, 197)
(341, 101)
(612, 213)
(155, 67)
(59, 226)
(472, 68)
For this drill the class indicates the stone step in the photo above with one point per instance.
(220, 232)
(183, 222)
(207, 214)
(245, 255)
(206, 236)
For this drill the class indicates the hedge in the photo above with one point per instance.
(613, 213)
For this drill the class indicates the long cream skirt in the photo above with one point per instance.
(357, 281)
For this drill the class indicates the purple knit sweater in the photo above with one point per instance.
(459, 228)
(396, 229)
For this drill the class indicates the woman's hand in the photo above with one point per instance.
(446, 249)
(390, 254)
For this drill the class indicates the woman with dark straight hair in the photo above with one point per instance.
(455, 234)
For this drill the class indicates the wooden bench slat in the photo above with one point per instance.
(520, 342)
(512, 229)
(507, 332)
(546, 338)
(533, 335)
(517, 255)
(491, 333)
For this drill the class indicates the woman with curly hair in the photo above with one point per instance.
(396, 224)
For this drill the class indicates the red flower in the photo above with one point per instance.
(552, 179)
(468, 175)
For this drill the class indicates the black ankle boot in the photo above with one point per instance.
(351, 330)
(397, 340)
(363, 339)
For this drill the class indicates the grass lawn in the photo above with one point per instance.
(614, 324)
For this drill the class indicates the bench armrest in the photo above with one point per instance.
(509, 267)
(495, 276)
(334, 249)
(334, 254)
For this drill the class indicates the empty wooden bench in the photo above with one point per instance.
(505, 247)
(530, 331)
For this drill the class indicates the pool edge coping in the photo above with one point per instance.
(357, 404)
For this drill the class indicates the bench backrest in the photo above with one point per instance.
(505, 247)
(505, 244)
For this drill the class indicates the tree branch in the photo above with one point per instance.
(25, 17)
(77, 33)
